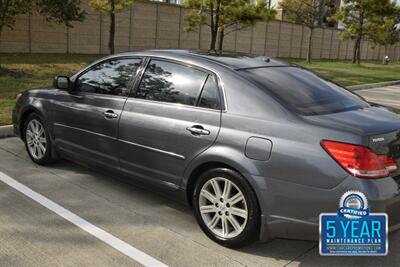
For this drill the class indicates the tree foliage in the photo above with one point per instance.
(310, 13)
(369, 20)
(225, 16)
(59, 11)
(111, 7)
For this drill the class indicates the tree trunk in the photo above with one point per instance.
(309, 52)
(357, 51)
(212, 23)
(221, 41)
(112, 28)
(3, 9)
(213, 39)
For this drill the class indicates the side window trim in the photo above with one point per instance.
(130, 82)
(221, 99)
(144, 66)
(201, 91)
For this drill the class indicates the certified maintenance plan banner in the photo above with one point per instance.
(353, 230)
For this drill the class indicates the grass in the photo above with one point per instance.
(19, 72)
(346, 73)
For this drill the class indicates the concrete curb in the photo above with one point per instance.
(6, 131)
(372, 85)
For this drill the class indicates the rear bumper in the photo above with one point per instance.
(292, 210)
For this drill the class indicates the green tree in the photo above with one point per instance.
(366, 19)
(310, 13)
(59, 11)
(111, 7)
(225, 16)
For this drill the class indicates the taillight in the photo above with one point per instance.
(390, 163)
(360, 161)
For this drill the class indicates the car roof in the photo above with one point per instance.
(232, 60)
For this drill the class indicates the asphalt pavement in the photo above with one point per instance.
(388, 96)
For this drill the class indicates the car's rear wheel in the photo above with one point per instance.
(37, 140)
(226, 208)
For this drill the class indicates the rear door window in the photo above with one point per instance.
(171, 82)
(303, 91)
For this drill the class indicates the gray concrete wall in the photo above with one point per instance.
(150, 25)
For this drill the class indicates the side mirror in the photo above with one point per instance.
(62, 83)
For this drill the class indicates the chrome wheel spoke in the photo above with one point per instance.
(208, 195)
(41, 148)
(216, 188)
(208, 209)
(227, 189)
(29, 133)
(239, 212)
(234, 223)
(213, 223)
(225, 226)
(236, 198)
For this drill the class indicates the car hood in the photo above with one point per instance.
(367, 121)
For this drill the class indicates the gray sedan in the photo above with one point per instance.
(259, 148)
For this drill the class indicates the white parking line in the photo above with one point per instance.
(107, 238)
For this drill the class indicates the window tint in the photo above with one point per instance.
(303, 91)
(210, 95)
(171, 82)
(110, 77)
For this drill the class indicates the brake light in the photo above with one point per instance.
(360, 161)
(390, 163)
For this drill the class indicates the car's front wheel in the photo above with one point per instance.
(37, 140)
(226, 207)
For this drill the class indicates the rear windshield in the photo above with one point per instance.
(303, 91)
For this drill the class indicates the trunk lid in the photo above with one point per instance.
(364, 122)
(387, 144)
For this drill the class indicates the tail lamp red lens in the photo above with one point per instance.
(360, 161)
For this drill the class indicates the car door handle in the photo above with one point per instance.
(198, 130)
(110, 114)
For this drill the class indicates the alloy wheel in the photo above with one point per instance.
(36, 139)
(223, 207)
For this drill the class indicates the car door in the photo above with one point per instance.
(172, 116)
(86, 118)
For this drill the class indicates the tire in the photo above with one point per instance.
(233, 220)
(37, 140)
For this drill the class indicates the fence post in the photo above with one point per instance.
(180, 25)
(265, 39)
(291, 41)
(130, 27)
(100, 31)
(251, 39)
(279, 37)
(29, 34)
(302, 41)
(199, 37)
(322, 43)
(157, 20)
(330, 47)
(67, 40)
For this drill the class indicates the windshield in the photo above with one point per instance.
(303, 91)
